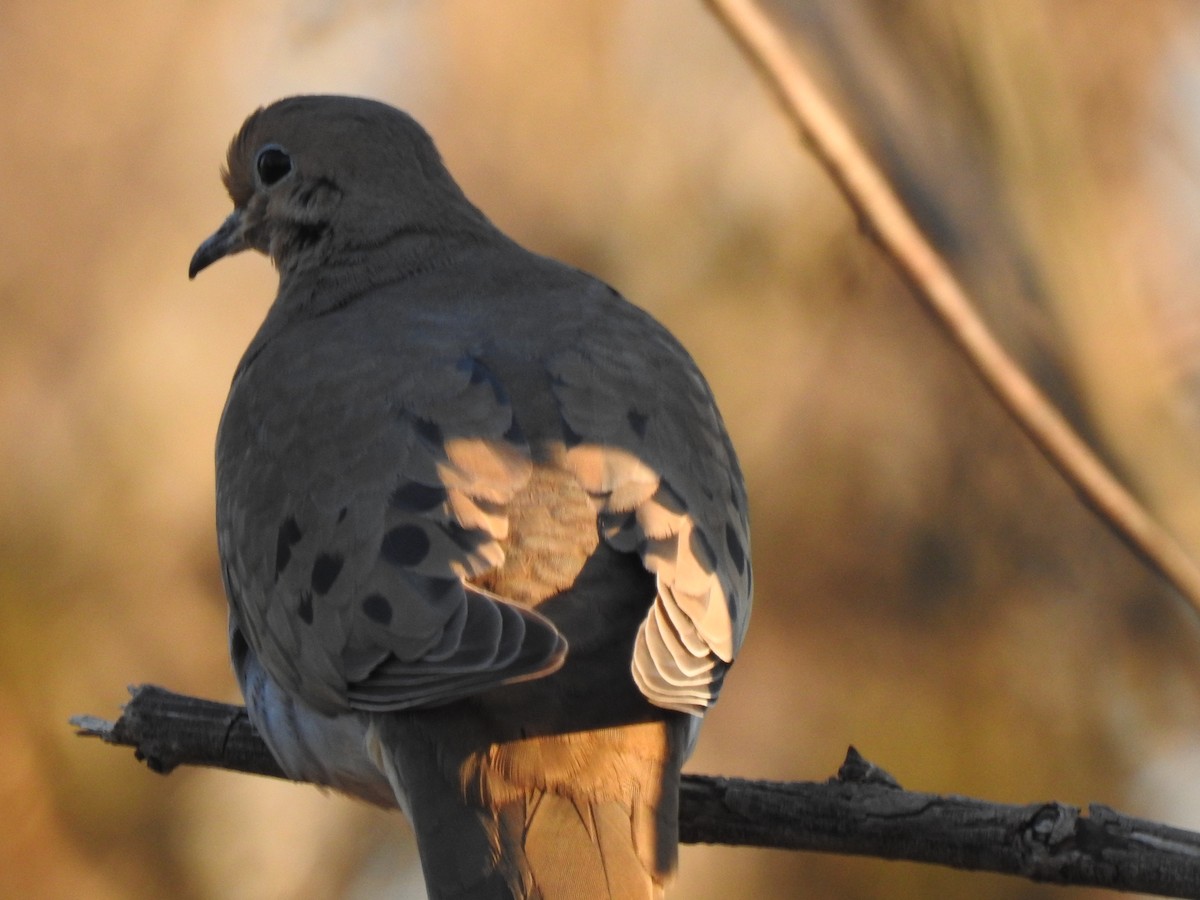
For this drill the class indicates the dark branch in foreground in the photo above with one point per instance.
(863, 811)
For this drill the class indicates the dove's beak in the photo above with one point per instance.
(230, 238)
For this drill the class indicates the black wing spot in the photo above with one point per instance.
(412, 496)
(289, 535)
(305, 607)
(406, 545)
(638, 422)
(377, 608)
(325, 572)
(702, 550)
(736, 552)
(735, 494)
(429, 432)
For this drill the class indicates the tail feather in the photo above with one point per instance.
(583, 816)
(574, 849)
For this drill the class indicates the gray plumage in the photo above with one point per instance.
(483, 533)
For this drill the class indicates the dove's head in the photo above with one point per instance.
(313, 177)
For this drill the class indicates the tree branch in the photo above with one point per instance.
(863, 811)
(883, 217)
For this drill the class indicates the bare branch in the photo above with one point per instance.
(863, 811)
(884, 218)
(168, 730)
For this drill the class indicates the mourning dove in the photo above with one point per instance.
(481, 527)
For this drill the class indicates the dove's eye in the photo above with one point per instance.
(272, 164)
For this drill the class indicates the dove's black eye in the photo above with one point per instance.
(272, 164)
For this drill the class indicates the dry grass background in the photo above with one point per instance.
(927, 587)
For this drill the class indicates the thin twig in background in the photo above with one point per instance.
(930, 279)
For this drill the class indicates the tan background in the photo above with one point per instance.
(927, 588)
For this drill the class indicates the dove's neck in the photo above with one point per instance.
(321, 285)
(315, 287)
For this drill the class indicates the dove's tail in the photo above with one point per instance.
(555, 846)
(589, 815)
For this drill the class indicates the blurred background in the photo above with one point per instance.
(927, 587)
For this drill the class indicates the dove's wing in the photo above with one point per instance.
(646, 441)
(350, 523)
